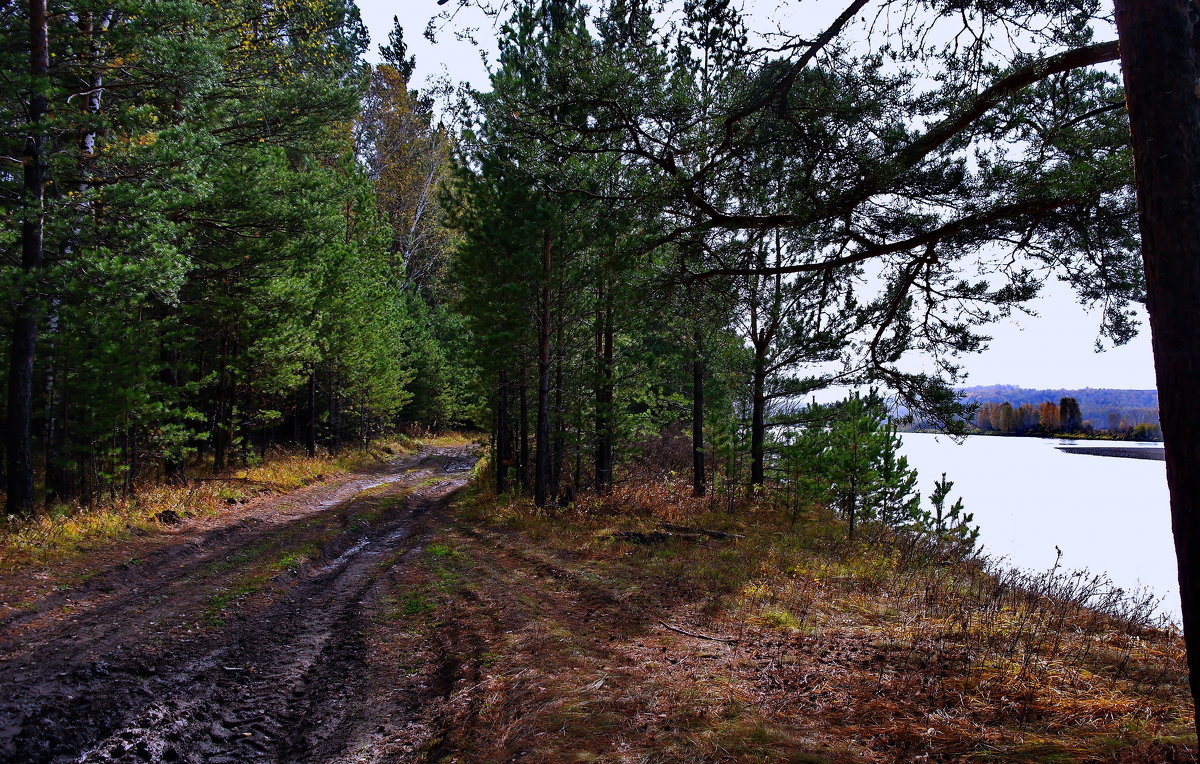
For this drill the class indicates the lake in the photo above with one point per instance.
(1107, 514)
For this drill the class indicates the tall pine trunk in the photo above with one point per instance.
(173, 466)
(1160, 52)
(698, 477)
(758, 425)
(604, 390)
(19, 424)
(523, 435)
(335, 412)
(503, 439)
(310, 415)
(558, 441)
(541, 476)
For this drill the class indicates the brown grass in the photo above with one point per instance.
(881, 651)
(69, 530)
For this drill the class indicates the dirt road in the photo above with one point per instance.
(248, 641)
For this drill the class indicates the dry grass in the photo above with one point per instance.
(67, 531)
(880, 651)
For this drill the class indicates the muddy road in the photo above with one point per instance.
(248, 641)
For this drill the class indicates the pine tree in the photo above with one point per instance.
(951, 526)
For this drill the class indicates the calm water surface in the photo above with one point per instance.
(1107, 514)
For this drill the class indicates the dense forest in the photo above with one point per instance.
(248, 238)
(639, 254)
(238, 244)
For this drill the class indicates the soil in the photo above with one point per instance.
(246, 638)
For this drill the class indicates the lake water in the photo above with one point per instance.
(1107, 514)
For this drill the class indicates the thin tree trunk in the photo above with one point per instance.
(758, 426)
(604, 392)
(523, 450)
(224, 394)
(53, 470)
(558, 441)
(19, 424)
(335, 413)
(698, 480)
(1160, 51)
(503, 440)
(173, 467)
(310, 424)
(61, 483)
(541, 475)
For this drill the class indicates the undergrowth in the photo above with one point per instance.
(888, 641)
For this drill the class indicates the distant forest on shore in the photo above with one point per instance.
(1012, 410)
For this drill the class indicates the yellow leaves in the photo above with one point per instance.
(146, 139)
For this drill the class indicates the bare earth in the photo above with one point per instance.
(247, 638)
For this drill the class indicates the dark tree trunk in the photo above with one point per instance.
(523, 446)
(19, 424)
(224, 413)
(541, 475)
(310, 415)
(604, 391)
(758, 427)
(698, 477)
(1160, 52)
(559, 439)
(503, 439)
(54, 470)
(173, 467)
(578, 475)
(335, 413)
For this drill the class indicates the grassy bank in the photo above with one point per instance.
(618, 635)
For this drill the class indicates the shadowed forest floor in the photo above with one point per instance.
(777, 645)
(395, 616)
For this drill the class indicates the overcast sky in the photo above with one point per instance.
(1052, 350)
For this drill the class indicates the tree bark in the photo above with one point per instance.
(503, 440)
(604, 390)
(19, 424)
(220, 434)
(335, 413)
(758, 412)
(523, 450)
(698, 477)
(1160, 52)
(558, 441)
(168, 375)
(310, 424)
(541, 476)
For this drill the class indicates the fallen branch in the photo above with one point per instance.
(671, 532)
(685, 632)
(638, 537)
(683, 529)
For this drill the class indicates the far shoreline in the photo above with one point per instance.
(1149, 450)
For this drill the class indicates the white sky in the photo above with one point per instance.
(1052, 350)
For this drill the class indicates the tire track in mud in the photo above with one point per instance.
(284, 680)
